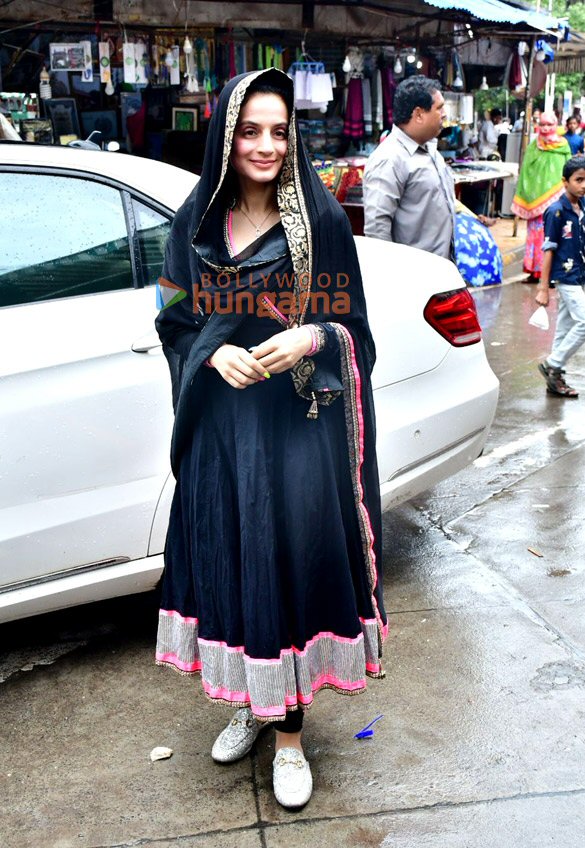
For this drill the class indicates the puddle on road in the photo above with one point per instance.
(26, 659)
(558, 676)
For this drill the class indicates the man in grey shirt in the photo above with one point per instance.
(408, 190)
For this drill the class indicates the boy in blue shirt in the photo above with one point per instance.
(572, 136)
(563, 266)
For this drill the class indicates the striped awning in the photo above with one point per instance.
(500, 12)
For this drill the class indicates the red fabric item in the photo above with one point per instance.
(135, 127)
(515, 72)
(353, 126)
(352, 177)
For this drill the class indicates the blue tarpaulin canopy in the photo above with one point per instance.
(499, 12)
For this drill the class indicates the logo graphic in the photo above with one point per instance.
(168, 293)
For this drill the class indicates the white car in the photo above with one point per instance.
(85, 395)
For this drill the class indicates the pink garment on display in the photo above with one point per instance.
(534, 241)
(388, 89)
(353, 126)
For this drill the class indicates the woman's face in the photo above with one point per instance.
(572, 125)
(260, 138)
(547, 126)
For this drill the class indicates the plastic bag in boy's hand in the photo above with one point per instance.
(539, 318)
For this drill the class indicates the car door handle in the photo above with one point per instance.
(145, 343)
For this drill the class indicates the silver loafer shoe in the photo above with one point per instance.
(236, 740)
(291, 778)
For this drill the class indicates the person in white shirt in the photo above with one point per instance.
(488, 134)
(408, 190)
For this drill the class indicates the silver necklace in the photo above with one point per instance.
(257, 227)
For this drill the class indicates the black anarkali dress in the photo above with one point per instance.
(271, 586)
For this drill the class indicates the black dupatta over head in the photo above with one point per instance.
(321, 254)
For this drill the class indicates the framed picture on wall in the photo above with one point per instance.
(62, 112)
(185, 119)
(37, 130)
(67, 57)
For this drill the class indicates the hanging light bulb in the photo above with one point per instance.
(44, 85)
(410, 58)
(458, 82)
(169, 59)
(187, 46)
(419, 64)
(398, 66)
(346, 67)
(484, 84)
(109, 87)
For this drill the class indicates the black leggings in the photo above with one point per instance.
(293, 722)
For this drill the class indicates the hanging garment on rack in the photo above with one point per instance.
(356, 62)
(129, 60)
(367, 98)
(232, 60)
(353, 126)
(379, 115)
(313, 89)
(321, 88)
(241, 66)
(300, 87)
(142, 63)
(388, 89)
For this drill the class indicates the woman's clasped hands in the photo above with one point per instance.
(242, 368)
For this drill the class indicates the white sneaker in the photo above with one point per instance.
(236, 740)
(291, 778)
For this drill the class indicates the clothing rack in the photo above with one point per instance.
(306, 63)
(312, 67)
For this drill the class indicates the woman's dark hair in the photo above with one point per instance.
(571, 118)
(495, 113)
(412, 92)
(282, 91)
(575, 163)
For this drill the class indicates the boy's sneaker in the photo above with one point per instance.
(555, 381)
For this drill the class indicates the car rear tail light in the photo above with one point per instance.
(454, 316)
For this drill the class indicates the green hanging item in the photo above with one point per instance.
(260, 58)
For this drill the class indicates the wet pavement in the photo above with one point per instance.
(483, 737)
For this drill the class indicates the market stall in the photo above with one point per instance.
(152, 88)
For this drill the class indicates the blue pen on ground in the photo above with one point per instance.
(366, 732)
